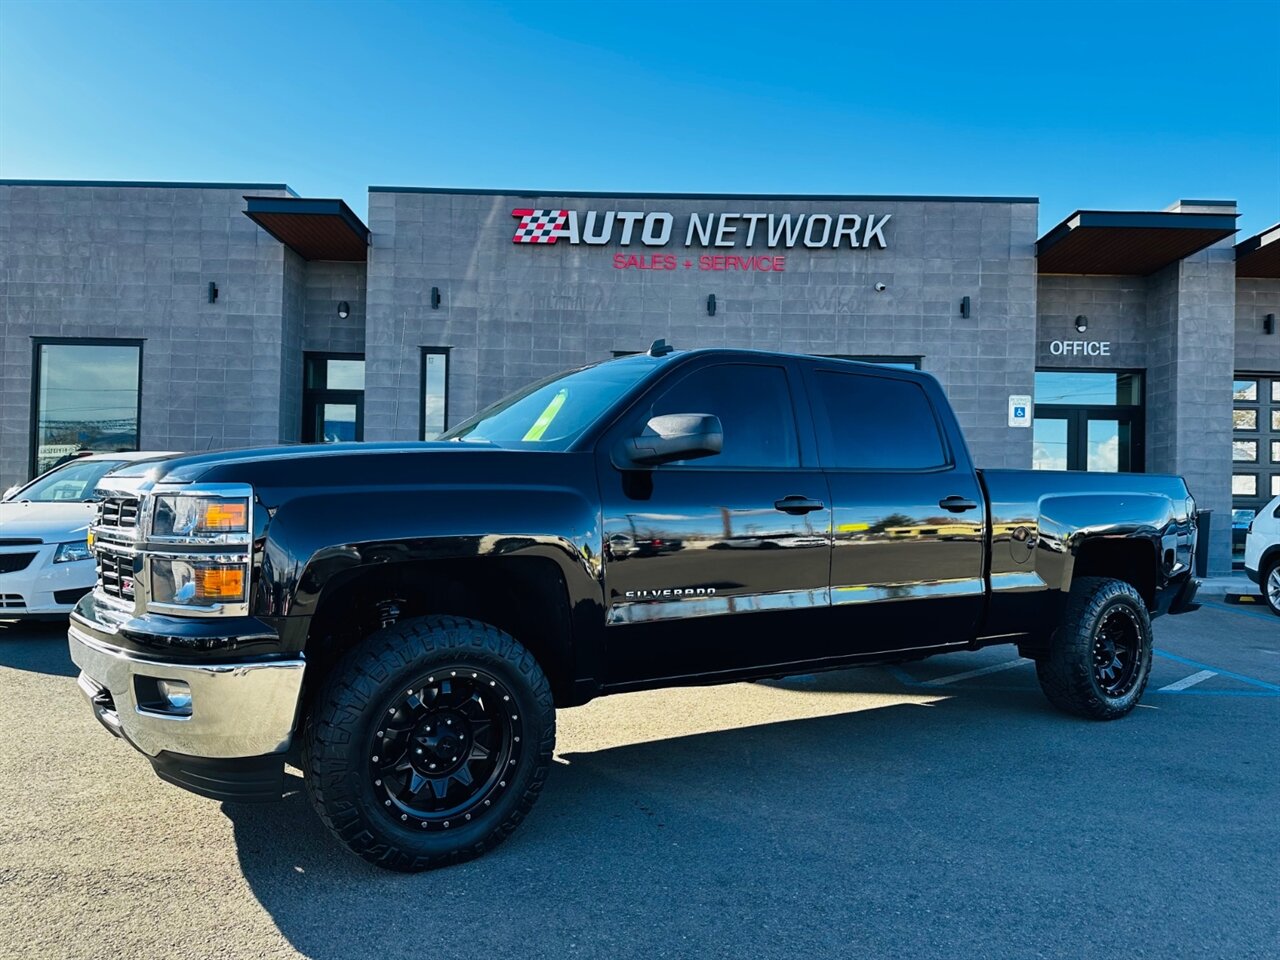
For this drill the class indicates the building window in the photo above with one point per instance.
(435, 392)
(88, 396)
(1245, 390)
(333, 398)
(1244, 419)
(1088, 420)
(1257, 411)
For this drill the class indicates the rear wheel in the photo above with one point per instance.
(1099, 658)
(1271, 586)
(429, 743)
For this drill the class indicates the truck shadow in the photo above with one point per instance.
(690, 846)
(36, 647)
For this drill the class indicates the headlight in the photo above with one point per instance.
(203, 517)
(67, 552)
(198, 582)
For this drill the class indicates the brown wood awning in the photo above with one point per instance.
(1133, 244)
(1259, 256)
(313, 229)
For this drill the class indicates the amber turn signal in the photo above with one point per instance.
(222, 515)
(219, 583)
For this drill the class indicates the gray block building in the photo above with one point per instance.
(188, 316)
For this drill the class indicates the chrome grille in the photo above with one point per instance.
(115, 574)
(118, 512)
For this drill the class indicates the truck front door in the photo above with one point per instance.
(909, 516)
(719, 563)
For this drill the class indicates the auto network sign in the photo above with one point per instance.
(748, 230)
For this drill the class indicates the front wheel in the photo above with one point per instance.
(429, 743)
(1099, 658)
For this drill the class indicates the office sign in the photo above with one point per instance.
(1080, 348)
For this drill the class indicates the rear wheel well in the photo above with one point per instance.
(1133, 561)
(523, 596)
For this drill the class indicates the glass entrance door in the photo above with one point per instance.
(333, 398)
(1088, 420)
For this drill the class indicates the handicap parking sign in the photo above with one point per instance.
(1019, 410)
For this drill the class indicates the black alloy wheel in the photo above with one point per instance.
(429, 742)
(1117, 652)
(443, 750)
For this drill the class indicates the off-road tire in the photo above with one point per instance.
(1272, 569)
(355, 698)
(1069, 671)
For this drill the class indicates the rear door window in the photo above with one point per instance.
(876, 423)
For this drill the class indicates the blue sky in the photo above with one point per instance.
(1087, 105)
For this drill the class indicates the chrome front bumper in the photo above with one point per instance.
(237, 709)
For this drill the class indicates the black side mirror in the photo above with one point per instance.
(674, 436)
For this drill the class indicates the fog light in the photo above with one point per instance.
(176, 695)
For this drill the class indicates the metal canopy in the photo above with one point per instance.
(1135, 244)
(313, 229)
(1259, 256)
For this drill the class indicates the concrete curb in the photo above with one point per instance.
(1216, 588)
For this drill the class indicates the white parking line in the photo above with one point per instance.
(1190, 681)
(980, 672)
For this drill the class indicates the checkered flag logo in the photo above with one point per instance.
(540, 226)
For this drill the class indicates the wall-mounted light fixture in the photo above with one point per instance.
(213, 292)
(711, 305)
(1082, 323)
(964, 307)
(1269, 323)
(435, 298)
(344, 310)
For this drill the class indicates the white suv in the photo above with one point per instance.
(1262, 553)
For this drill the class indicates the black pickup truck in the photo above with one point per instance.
(411, 615)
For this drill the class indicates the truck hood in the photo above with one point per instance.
(189, 468)
(56, 522)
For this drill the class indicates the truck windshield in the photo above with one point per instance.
(552, 413)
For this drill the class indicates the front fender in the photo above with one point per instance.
(312, 538)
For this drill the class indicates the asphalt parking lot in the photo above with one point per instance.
(938, 810)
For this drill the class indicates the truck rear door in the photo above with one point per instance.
(908, 515)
